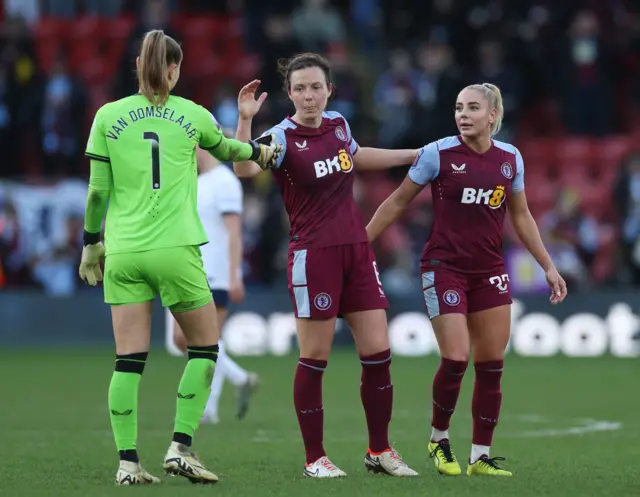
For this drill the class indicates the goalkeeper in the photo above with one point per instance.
(143, 162)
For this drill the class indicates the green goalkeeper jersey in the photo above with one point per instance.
(152, 155)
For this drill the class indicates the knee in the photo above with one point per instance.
(454, 345)
(315, 353)
(457, 355)
(451, 369)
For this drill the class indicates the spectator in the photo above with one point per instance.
(573, 237)
(55, 265)
(226, 108)
(586, 75)
(493, 69)
(28, 10)
(62, 119)
(279, 42)
(346, 88)
(316, 24)
(395, 94)
(154, 14)
(439, 83)
(626, 199)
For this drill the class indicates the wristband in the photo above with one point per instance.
(90, 238)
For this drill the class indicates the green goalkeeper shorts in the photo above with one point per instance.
(175, 273)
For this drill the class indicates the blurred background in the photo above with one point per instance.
(569, 73)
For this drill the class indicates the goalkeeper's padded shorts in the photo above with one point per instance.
(175, 273)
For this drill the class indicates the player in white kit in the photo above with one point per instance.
(220, 210)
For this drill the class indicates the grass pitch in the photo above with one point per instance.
(569, 427)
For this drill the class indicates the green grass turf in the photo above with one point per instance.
(57, 441)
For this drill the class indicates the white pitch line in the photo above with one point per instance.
(591, 427)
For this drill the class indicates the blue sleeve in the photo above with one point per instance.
(426, 166)
(281, 139)
(353, 145)
(517, 185)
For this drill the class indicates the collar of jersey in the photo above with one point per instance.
(303, 130)
(472, 151)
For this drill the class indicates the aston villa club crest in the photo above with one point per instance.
(341, 134)
(507, 170)
(322, 301)
(451, 297)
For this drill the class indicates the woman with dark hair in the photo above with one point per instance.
(332, 270)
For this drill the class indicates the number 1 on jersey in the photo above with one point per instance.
(155, 158)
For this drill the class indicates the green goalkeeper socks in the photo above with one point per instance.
(194, 391)
(123, 403)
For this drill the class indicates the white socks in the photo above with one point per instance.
(234, 373)
(437, 435)
(477, 451)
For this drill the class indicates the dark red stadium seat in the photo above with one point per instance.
(608, 153)
(539, 157)
(94, 72)
(116, 34)
(242, 69)
(205, 65)
(84, 42)
(538, 151)
(574, 152)
(50, 38)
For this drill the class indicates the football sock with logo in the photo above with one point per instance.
(123, 403)
(193, 392)
(307, 399)
(446, 389)
(487, 398)
(376, 392)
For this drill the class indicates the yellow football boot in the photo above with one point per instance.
(443, 459)
(486, 466)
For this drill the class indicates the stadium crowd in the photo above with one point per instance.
(569, 73)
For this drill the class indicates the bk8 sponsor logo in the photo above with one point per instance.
(492, 198)
(340, 163)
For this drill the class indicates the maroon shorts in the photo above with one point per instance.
(448, 292)
(330, 281)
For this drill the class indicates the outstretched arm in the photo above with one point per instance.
(228, 149)
(392, 208)
(425, 168)
(528, 233)
(245, 169)
(377, 159)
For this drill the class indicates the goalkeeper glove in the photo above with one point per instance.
(89, 270)
(265, 152)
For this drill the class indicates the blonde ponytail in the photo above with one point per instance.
(493, 95)
(157, 53)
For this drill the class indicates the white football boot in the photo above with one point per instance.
(323, 468)
(389, 463)
(180, 461)
(131, 473)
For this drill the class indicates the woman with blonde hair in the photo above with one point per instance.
(143, 164)
(475, 180)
